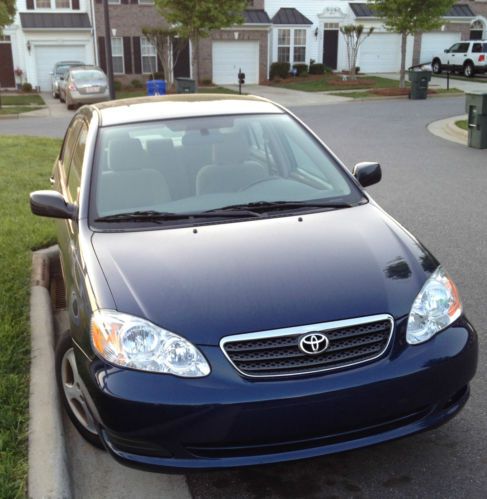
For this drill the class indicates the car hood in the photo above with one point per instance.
(246, 276)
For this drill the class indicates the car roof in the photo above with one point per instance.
(143, 109)
(64, 63)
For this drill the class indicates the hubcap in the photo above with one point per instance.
(72, 390)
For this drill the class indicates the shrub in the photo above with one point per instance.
(316, 69)
(280, 69)
(117, 85)
(26, 87)
(206, 81)
(136, 83)
(301, 69)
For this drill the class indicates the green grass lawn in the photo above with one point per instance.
(365, 94)
(22, 100)
(127, 94)
(462, 124)
(329, 83)
(25, 165)
(18, 109)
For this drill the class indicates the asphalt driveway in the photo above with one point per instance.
(437, 189)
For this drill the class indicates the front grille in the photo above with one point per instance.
(277, 353)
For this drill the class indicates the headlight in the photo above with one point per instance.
(436, 307)
(128, 341)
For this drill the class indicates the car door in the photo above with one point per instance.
(461, 55)
(450, 57)
(74, 277)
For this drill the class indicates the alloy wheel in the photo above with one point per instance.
(71, 384)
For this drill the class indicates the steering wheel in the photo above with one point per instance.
(259, 181)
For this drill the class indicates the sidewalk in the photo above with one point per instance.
(290, 98)
(475, 85)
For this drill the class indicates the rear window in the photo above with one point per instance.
(88, 75)
(479, 48)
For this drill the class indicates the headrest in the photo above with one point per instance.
(232, 150)
(125, 154)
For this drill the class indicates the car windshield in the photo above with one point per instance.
(205, 164)
(88, 76)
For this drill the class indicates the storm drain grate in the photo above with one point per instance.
(57, 289)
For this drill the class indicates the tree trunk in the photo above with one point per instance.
(195, 50)
(402, 79)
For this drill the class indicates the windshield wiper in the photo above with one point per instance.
(265, 206)
(161, 216)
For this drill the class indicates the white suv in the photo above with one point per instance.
(467, 58)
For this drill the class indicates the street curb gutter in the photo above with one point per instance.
(48, 467)
(446, 129)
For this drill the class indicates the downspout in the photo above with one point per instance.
(95, 38)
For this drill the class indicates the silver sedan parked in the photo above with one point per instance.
(57, 73)
(84, 85)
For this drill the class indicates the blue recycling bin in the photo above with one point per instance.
(156, 87)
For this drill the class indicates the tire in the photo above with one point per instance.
(468, 70)
(70, 393)
(436, 65)
(69, 104)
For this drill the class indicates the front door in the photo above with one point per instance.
(7, 78)
(330, 48)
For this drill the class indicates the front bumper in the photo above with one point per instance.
(224, 420)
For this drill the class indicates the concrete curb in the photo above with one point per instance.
(48, 467)
(446, 129)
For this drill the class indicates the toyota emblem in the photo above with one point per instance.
(313, 343)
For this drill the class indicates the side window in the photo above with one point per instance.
(69, 143)
(454, 48)
(462, 47)
(477, 47)
(74, 178)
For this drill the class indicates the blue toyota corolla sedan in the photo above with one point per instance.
(235, 296)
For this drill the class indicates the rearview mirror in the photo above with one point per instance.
(51, 204)
(367, 173)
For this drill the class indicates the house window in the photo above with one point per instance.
(146, 2)
(43, 4)
(63, 4)
(117, 56)
(283, 45)
(291, 45)
(299, 45)
(114, 2)
(149, 56)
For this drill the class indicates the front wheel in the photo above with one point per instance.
(436, 67)
(468, 70)
(69, 385)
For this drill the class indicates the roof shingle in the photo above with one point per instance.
(54, 21)
(364, 10)
(290, 16)
(256, 16)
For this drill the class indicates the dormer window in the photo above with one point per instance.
(52, 4)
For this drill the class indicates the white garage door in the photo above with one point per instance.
(46, 56)
(380, 53)
(435, 43)
(229, 57)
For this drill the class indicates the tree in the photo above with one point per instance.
(354, 37)
(195, 19)
(7, 13)
(168, 48)
(409, 17)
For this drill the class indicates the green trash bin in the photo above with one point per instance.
(476, 107)
(185, 86)
(419, 83)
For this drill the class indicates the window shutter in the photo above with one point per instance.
(30, 4)
(137, 55)
(98, 1)
(158, 64)
(134, 1)
(127, 55)
(75, 4)
(125, 1)
(102, 60)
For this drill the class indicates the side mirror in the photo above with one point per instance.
(447, 50)
(367, 173)
(51, 204)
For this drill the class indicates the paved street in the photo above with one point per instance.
(437, 189)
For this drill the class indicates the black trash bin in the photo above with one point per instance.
(185, 86)
(419, 83)
(476, 107)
